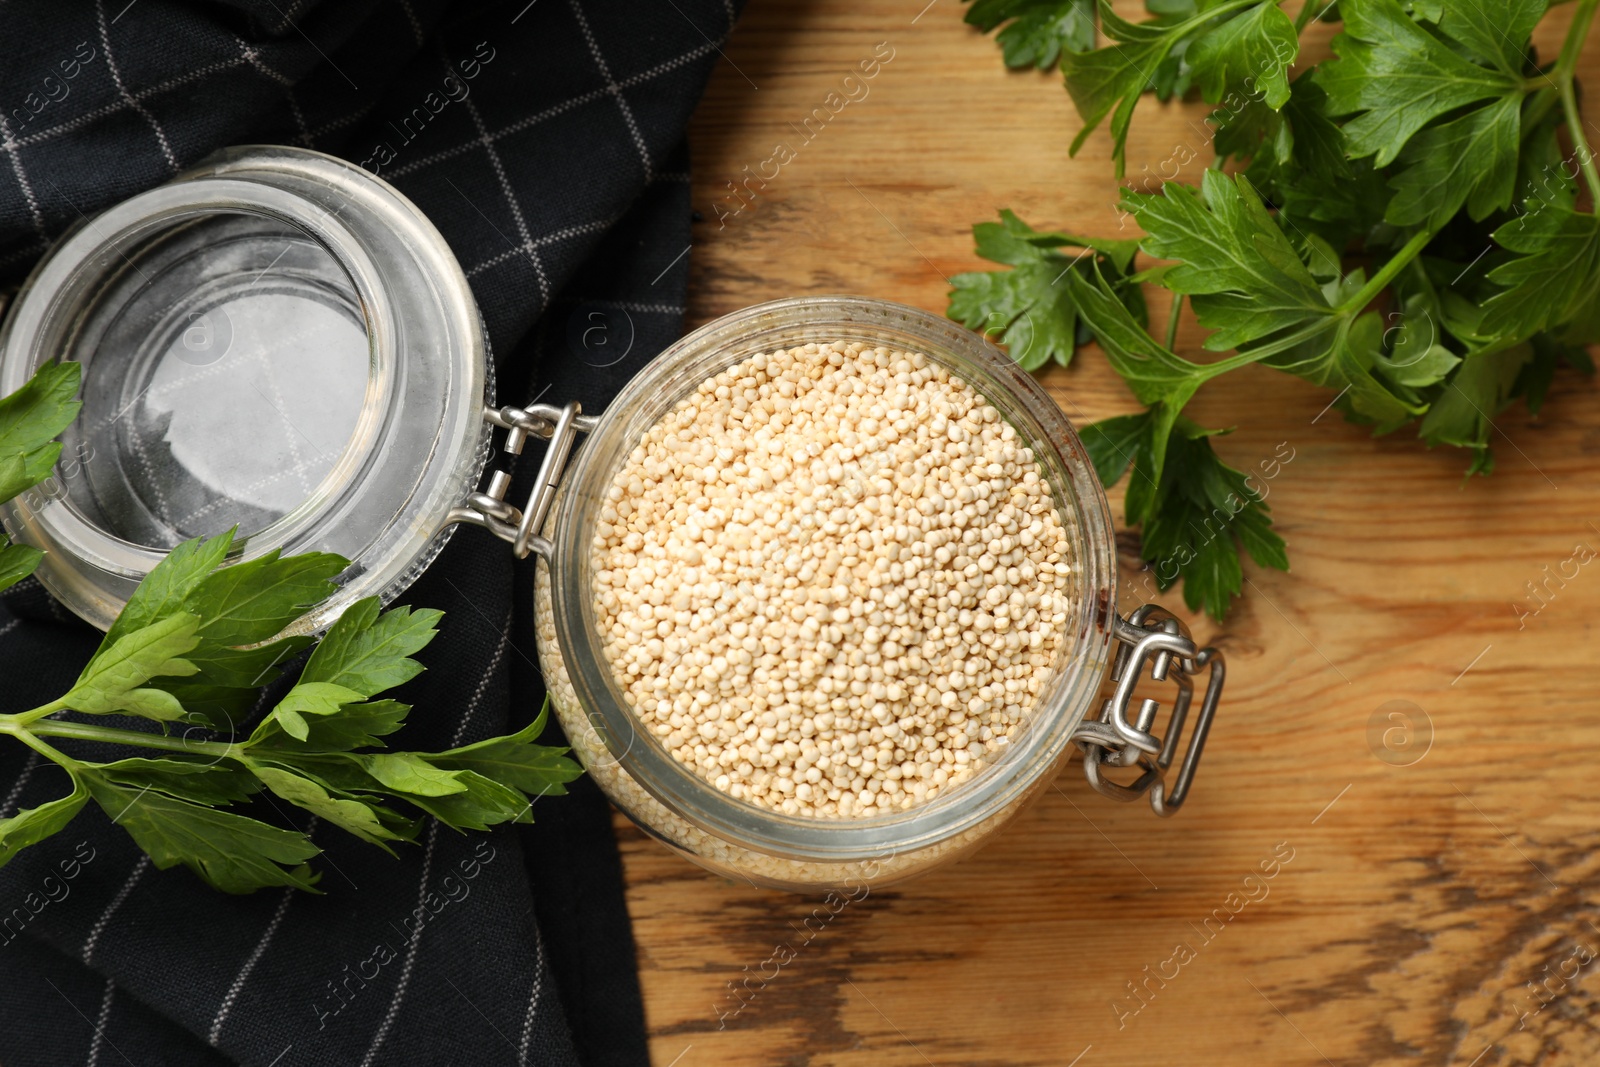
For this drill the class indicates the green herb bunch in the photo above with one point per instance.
(1410, 224)
(191, 651)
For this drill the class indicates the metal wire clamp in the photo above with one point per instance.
(1153, 636)
(490, 509)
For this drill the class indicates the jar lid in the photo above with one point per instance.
(275, 340)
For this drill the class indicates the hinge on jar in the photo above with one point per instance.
(490, 508)
(1114, 741)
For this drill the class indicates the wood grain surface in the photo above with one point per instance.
(1424, 900)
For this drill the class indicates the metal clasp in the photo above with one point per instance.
(1155, 636)
(490, 508)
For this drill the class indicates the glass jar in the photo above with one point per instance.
(274, 340)
(279, 341)
(739, 839)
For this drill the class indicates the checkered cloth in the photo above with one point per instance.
(545, 139)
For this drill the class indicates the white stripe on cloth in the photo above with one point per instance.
(510, 198)
(533, 998)
(299, 117)
(411, 951)
(483, 683)
(9, 143)
(411, 16)
(255, 954)
(144, 94)
(664, 67)
(548, 239)
(287, 22)
(100, 1025)
(427, 859)
(15, 796)
(111, 909)
(116, 76)
(251, 56)
(629, 305)
(614, 89)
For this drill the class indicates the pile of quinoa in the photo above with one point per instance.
(832, 580)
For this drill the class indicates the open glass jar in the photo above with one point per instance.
(757, 844)
(278, 340)
(274, 340)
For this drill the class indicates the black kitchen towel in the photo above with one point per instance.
(545, 139)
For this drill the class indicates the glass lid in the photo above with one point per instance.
(275, 341)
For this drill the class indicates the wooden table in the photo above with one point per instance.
(1419, 901)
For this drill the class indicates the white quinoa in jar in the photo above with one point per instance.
(832, 580)
(729, 858)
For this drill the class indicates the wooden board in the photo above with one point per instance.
(1419, 901)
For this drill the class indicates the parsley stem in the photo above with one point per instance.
(1397, 263)
(26, 736)
(83, 731)
(1424, 282)
(1310, 13)
(1565, 69)
(1172, 323)
(1567, 63)
(1202, 17)
(1580, 145)
(1545, 97)
(41, 712)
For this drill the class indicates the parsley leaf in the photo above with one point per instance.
(254, 600)
(32, 825)
(1228, 46)
(1463, 415)
(372, 823)
(369, 652)
(1194, 510)
(1297, 159)
(1396, 78)
(1245, 279)
(406, 773)
(30, 420)
(235, 853)
(1471, 160)
(357, 725)
(1028, 308)
(516, 760)
(242, 603)
(200, 781)
(308, 751)
(481, 803)
(1553, 277)
(167, 587)
(1157, 376)
(16, 562)
(1258, 292)
(115, 679)
(1036, 31)
(195, 643)
(1405, 225)
(311, 698)
(1251, 50)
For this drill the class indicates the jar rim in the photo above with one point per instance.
(1040, 746)
(426, 374)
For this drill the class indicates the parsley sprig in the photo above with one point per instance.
(1036, 32)
(190, 652)
(1410, 224)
